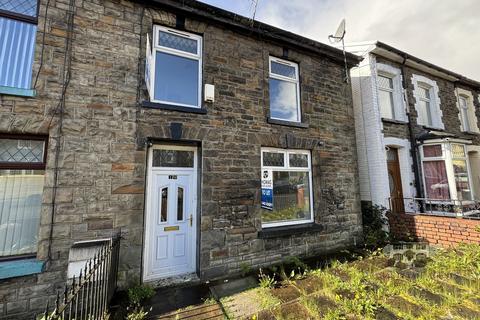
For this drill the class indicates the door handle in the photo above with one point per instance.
(191, 220)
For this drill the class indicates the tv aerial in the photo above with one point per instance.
(339, 36)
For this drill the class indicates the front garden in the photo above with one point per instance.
(375, 286)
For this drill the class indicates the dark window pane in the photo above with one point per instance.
(298, 160)
(273, 159)
(28, 151)
(283, 70)
(164, 205)
(20, 203)
(176, 79)
(283, 100)
(180, 204)
(432, 151)
(173, 158)
(178, 42)
(17, 43)
(25, 7)
(291, 197)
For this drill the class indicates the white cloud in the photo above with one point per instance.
(446, 33)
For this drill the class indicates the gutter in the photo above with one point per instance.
(248, 27)
(413, 143)
(458, 77)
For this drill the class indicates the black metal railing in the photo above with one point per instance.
(468, 209)
(88, 295)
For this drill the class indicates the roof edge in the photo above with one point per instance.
(458, 77)
(244, 25)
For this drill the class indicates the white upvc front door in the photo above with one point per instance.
(170, 224)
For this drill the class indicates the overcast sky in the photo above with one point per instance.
(443, 32)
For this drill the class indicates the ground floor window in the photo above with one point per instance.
(446, 172)
(22, 170)
(286, 187)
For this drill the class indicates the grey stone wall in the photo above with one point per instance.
(102, 157)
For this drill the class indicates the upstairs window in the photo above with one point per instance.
(467, 115)
(174, 67)
(425, 106)
(385, 97)
(22, 171)
(427, 102)
(18, 25)
(464, 113)
(390, 93)
(284, 90)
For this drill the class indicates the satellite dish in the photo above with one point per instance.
(339, 37)
(339, 34)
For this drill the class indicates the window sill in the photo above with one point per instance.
(11, 91)
(394, 121)
(285, 231)
(287, 123)
(433, 128)
(163, 106)
(20, 267)
(474, 133)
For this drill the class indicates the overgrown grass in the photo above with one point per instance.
(448, 287)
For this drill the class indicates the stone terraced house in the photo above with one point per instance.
(418, 142)
(209, 141)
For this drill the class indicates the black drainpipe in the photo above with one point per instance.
(413, 142)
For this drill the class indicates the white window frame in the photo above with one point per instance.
(435, 110)
(286, 168)
(463, 105)
(467, 115)
(447, 157)
(296, 81)
(395, 74)
(156, 47)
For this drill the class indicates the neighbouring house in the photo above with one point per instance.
(212, 143)
(418, 143)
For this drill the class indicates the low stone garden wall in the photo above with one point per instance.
(443, 231)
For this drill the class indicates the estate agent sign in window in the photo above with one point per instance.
(173, 67)
(284, 90)
(22, 170)
(290, 200)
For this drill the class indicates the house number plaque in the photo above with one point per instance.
(172, 177)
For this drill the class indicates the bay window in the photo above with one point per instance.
(446, 172)
(286, 187)
(18, 25)
(284, 90)
(174, 67)
(22, 171)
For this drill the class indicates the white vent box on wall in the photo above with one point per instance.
(209, 93)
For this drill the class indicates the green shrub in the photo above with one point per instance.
(375, 234)
(266, 281)
(139, 294)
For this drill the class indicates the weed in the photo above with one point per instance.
(138, 314)
(246, 268)
(266, 281)
(139, 294)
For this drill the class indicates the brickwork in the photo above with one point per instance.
(443, 231)
(102, 156)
